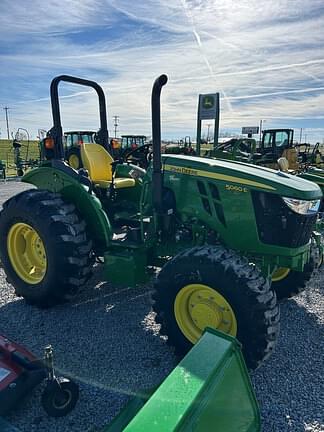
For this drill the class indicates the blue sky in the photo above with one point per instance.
(266, 58)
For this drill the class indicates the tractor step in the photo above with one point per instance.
(210, 386)
(126, 265)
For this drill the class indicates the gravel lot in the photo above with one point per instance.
(107, 339)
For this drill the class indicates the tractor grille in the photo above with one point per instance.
(278, 224)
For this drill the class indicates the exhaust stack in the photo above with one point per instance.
(156, 138)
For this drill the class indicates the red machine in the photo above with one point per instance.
(21, 371)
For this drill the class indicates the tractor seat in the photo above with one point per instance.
(284, 165)
(98, 162)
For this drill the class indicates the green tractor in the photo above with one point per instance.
(278, 143)
(217, 229)
(240, 149)
(278, 151)
(71, 144)
(184, 146)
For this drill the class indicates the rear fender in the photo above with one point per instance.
(73, 191)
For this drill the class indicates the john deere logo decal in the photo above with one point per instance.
(208, 102)
(208, 106)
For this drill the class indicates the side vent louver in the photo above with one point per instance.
(211, 200)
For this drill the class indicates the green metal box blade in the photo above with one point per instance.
(209, 390)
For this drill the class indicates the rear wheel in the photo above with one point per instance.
(214, 287)
(43, 247)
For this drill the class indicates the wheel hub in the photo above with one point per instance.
(62, 398)
(204, 314)
(27, 253)
(280, 274)
(199, 306)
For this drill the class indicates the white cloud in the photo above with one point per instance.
(266, 59)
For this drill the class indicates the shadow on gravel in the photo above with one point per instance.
(106, 338)
(290, 385)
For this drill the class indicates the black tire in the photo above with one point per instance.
(20, 172)
(294, 283)
(240, 283)
(75, 152)
(60, 397)
(68, 251)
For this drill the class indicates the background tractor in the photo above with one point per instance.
(184, 146)
(241, 149)
(71, 144)
(217, 229)
(277, 143)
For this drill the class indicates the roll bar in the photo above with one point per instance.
(56, 132)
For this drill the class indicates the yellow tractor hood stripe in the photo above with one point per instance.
(217, 176)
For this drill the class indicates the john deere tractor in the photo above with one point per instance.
(71, 144)
(277, 143)
(278, 151)
(218, 230)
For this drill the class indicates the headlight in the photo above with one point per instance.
(302, 206)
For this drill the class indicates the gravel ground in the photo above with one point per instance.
(107, 339)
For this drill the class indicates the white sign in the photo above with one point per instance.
(250, 130)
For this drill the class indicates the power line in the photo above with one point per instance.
(7, 120)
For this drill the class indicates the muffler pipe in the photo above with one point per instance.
(156, 139)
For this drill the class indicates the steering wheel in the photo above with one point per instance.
(140, 156)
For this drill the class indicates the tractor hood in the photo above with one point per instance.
(243, 175)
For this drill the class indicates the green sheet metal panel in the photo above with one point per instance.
(209, 390)
(73, 191)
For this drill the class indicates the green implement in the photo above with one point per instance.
(209, 390)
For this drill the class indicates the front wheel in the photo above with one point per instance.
(60, 397)
(73, 157)
(214, 287)
(288, 283)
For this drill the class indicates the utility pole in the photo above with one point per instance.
(207, 139)
(300, 136)
(7, 120)
(260, 129)
(116, 121)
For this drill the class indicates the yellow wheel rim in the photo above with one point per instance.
(27, 253)
(280, 274)
(198, 306)
(74, 161)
